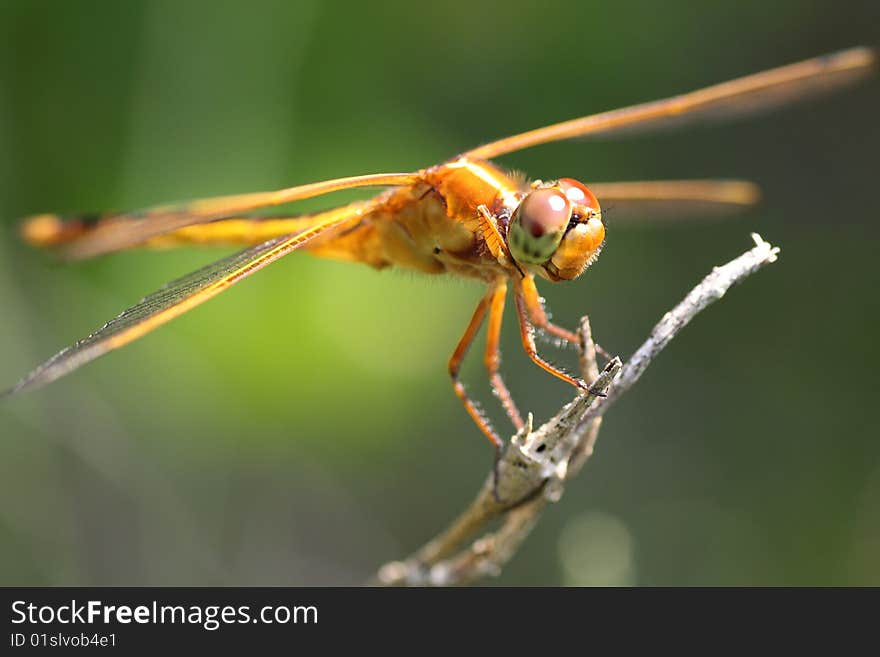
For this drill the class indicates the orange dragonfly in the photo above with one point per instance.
(465, 217)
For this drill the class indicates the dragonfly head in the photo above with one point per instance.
(557, 229)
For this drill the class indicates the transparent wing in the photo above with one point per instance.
(670, 200)
(87, 236)
(735, 98)
(174, 299)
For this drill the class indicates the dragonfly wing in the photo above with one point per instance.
(674, 199)
(87, 236)
(250, 230)
(735, 98)
(172, 300)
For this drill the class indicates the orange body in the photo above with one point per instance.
(430, 227)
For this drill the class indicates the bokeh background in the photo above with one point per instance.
(300, 429)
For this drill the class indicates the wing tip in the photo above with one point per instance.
(864, 58)
(11, 391)
(31, 381)
(745, 192)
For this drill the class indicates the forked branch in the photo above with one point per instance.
(537, 462)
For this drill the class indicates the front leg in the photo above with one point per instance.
(527, 334)
(538, 315)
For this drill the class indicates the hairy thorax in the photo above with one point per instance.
(432, 227)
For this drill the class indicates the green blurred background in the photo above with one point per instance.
(300, 429)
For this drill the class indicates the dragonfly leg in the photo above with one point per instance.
(527, 334)
(455, 366)
(492, 357)
(538, 316)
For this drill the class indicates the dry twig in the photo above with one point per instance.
(537, 462)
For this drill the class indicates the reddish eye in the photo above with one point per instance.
(538, 225)
(578, 193)
(544, 211)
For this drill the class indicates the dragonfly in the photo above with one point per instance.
(465, 217)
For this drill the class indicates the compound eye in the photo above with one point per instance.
(578, 194)
(538, 225)
(544, 211)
